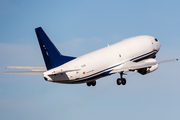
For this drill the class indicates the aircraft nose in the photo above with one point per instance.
(159, 45)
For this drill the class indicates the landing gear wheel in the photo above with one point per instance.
(88, 84)
(123, 81)
(93, 83)
(119, 81)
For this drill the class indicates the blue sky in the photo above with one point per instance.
(79, 27)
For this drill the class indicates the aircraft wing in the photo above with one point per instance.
(129, 65)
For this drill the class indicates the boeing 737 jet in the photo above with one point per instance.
(133, 54)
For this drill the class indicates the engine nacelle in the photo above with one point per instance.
(144, 71)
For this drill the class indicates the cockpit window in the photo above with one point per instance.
(156, 39)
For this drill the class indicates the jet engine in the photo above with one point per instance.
(144, 71)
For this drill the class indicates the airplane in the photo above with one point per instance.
(135, 54)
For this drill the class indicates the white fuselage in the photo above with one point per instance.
(101, 62)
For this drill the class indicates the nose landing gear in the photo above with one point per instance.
(121, 80)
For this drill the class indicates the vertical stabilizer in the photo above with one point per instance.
(52, 57)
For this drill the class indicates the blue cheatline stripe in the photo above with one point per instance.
(144, 56)
(107, 70)
(101, 73)
(84, 80)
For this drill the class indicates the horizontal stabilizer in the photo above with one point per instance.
(26, 72)
(33, 68)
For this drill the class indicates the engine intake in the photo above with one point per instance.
(144, 71)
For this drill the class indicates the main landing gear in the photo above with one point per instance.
(121, 80)
(93, 83)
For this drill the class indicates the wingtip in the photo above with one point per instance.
(175, 60)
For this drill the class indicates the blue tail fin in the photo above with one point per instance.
(52, 57)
